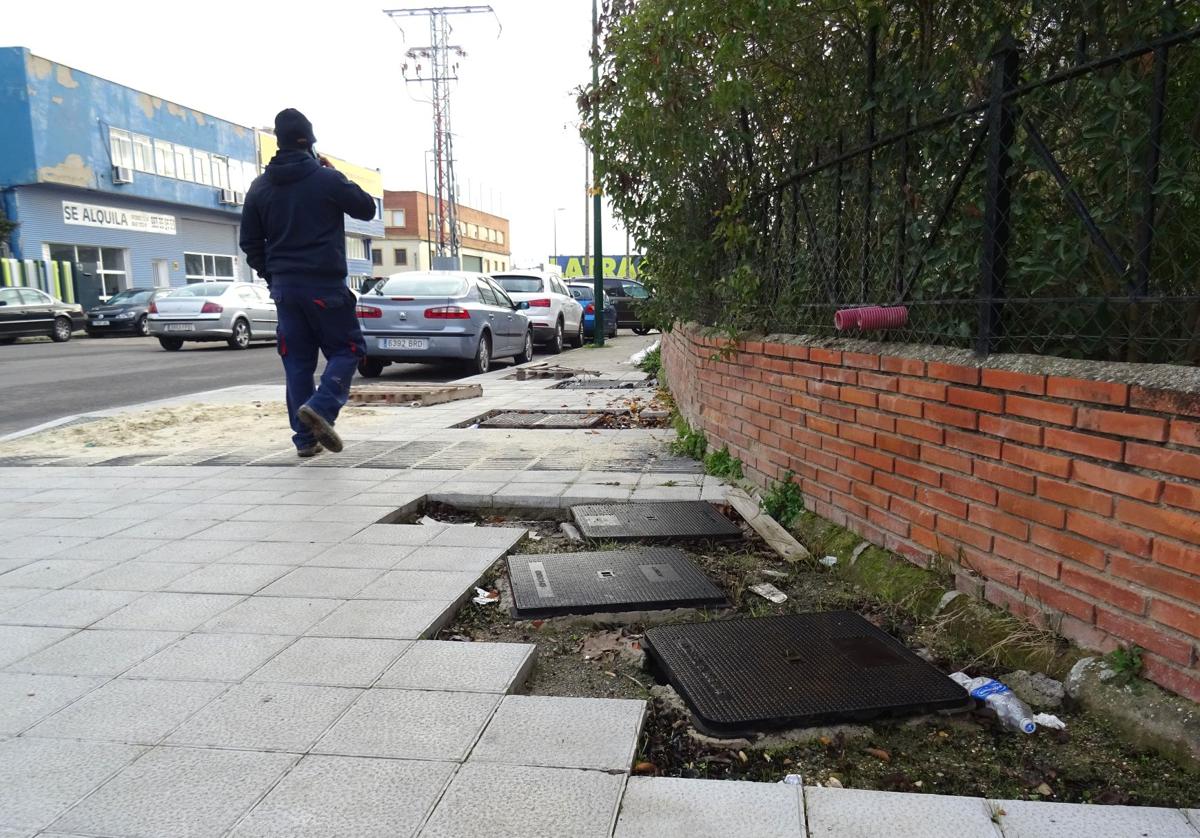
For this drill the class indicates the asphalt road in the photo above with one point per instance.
(43, 381)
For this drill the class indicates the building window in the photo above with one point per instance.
(474, 231)
(400, 255)
(220, 172)
(121, 148)
(398, 218)
(164, 158)
(378, 209)
(208, 267)
(376, 257)
(183, 162)
(203, 167)
(107, 264)
(500, 236)
(143, 154)
(357, 249)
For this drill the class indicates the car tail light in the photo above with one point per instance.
(211, 308)
(369, 312)
(542, 303)
(589, 309)
(153, 308)
(447, 313)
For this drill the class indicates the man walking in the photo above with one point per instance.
(294, 236)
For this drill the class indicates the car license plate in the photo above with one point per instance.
(180, 327)
(403, 343)
(101, 323)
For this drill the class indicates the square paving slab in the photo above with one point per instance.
(671, 807)
(96, 652)
(332, 661)
(544, 585)
(1032, 819)
(854, 813)
(407, 620)
(27, 699)
(794, 670)
(71, 608)
(654, 521)
(211, 657)
(465, 667)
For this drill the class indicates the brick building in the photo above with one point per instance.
(410, 236)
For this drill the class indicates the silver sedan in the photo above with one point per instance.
(235, 312)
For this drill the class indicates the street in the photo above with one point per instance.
(43, 381)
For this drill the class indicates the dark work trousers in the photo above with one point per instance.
(312, 318)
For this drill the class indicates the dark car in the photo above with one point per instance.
(27, 312)
(627, 295)
(587, 297)
(125, 311)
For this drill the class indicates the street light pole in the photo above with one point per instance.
(598, 250)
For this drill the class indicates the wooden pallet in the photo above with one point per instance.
(416, 395)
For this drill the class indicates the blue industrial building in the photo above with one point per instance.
(133, 189)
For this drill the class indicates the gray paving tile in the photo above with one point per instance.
(12, 597)
(16, 527)
(17, 642)
(77, 509)
(135, 575)
(385, 618)
(314, 532)
(451, 559)
(1031, 819)
(95, 652)
(275, 513)
(324, 796)
(505, 801)
(51, 573)
(380, 556)
(88, 527)
(211, 657)
(405, 535)
(200, 552)
(271, 615)
(1193, 815)
(27, 699)
(228, 578)
(136, 712)
(168, 611)
(41, 778)
(420, 584)
(854, 813)
(595, 733)
(338, 582)
(115, 549)
(353, 513)
(464, 667)
(266, 717)
(170, 528)
(410, 724)
(332, 661)
(237, 531)
(178, 793)
(273, 552)
(460, 536)
(671, 807)
(39, 546)
(70, 608)
(7, 565)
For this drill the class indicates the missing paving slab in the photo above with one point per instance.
(743, 676)
(607, 384)
(418, 395)
(656, 521)
(610, 581)
(533, 421)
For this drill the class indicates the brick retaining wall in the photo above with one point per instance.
(1076, 499)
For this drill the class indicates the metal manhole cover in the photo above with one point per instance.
(605, 384)
(569, 420)
(616, 580)
(795, 670)
(660, 520)
(512, 420)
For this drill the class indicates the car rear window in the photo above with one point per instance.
(202, 289)
(520, 284)
(422, 285)
(581, 292)
(132, 297)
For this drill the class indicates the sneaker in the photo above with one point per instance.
(320, 428)
(310, 450)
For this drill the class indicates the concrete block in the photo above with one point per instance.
(464, 667)
(210, 657)
(118, 549)
(504, 801)
(27, 699)
(17, 642)
(332, 661)
(591, 733)
(50, 573)
(40, 547)
(420, 584)
(1031, 819)
(272, 552)
(277, 513)
(70, 608)
(382, 556)
(238, 531)
(41, 778)
(169, 612)
(172, 528)
(326, 795)
(138, 575)
(854, 813)
(89, 527)
(457, 559)
(338, 582)
(670, 807)
(228, 578)
(405, 535)
(178, 793)
(410, 724)
(95, 652)
(320, 532)
(277, 717)
(502, 538)
(12, 597)
(385, 618)
(199, 552)
(271, 615)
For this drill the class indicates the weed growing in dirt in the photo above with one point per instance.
(784, 502)
(652, 362)
(722, 464)
(691, 442)
(1126, 662)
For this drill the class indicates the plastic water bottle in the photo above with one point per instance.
(1012, 711)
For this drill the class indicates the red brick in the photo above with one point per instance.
(1187, 497)
(1028, 557)
(1033, 510)
(957, 416)
(1003, 597)
(870, 494)
(879, 382)
(1180, 586)
(838, 411)
(899, 404)
(863, 397)
(1074, 496)
(1121, 482)
(806, 403)
(806, 370)
(854, 470)
(860, 360)
(975, 399)
(1145, 636)
(1185, 433)
(1085, 445)
(965, 533)
(839, 374)
(896, 445)
(926, 538)
(991, 569)
(878, 421)
(928, 433)
(1179, 525)
(838, 446)
(894, 485)
(922, 389)
(1136, 425)
(1009, 429)
(825, 356)
(1019, 382)
(849, 504)
(953, 372)
(907, 366)
(1106, 532)
(795, 352)
(823, 390)
(946, 459)
(1104, 392)
(753, 347)
(986, 516)
(822, 425)
(1187, 620)
(1005, 476)
(1036, 460)
(883, 462)
(970, 488)
(974, 443)
(1165, 401)
(940, 501)
(854, 433)
(1159, 458)
(1040, 409)
(888, 522)
(1165, 675)
(1058, 599)
(1085, 634)
(1069, 546)
(1185, 557)
(834, 481)
(918, 472)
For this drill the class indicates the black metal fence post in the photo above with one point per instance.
(869, 181)
(997, 226)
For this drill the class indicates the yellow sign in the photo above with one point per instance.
(615, 267)
(370, 180)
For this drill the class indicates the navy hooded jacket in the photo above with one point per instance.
(293, 225)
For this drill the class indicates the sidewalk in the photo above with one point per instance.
(236, 648)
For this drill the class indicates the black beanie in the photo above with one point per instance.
(293, 130)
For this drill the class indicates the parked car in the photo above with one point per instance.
(423, 316)
(553, 311)
(627, 294)
(586, 296)
(125, 311)
(235, 312)
(28, 312)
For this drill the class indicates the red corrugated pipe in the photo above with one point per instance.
(871, 317)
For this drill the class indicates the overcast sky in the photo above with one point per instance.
(340, 63)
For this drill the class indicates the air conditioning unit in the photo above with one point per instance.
(239, 197)
(122, 174)
(228, 196)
